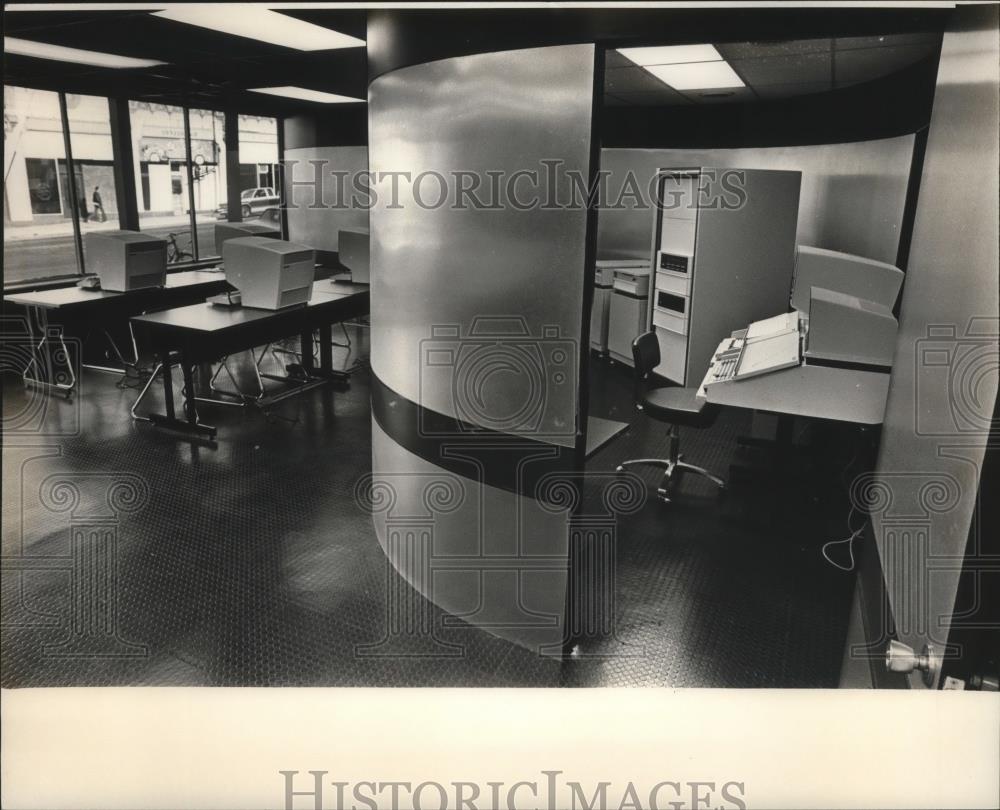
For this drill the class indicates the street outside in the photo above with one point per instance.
(41, 251)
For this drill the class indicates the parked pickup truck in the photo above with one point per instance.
(253, 201)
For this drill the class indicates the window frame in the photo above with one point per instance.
(69, 193)
(127, 192)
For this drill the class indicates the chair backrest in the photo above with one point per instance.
(646, 356)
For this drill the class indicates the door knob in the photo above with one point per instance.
(900, 657)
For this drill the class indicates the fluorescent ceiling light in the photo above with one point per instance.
(685, 67)
(253, 22)
(304, 94)
(42, 50)
(671, 54)
(697, 75)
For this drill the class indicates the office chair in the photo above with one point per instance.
(670, 404)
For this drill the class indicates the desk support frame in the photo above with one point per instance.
(48, 333)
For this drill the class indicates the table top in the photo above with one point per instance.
(208, 318)
(815, 391)
(340, 286)
(70, 296)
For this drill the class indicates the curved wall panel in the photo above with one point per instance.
(940, 415)
(499, 286)
(852, 199)
(477, 322)
(493, 558)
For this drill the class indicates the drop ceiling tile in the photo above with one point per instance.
(613, 59)
(804, 67)
(734, 95)
(758, 50)
(771, 92)
(865, 64)
(669, 98)
(885, 41)
(631, 80)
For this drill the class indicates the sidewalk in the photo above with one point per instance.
(19, 232)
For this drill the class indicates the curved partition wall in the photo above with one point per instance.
(478, 319)
(319, 207)
(941, 416)
(852, 199)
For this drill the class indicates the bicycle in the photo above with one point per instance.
(174, 253)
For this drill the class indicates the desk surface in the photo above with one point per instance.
(71, 296)
(208, 318)
(817, 391)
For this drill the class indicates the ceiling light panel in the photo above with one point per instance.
(697, 75)
(671, 54)
(254, 22)
(305, 94)
(43, 50)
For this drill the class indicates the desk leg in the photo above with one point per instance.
(326, 356)
(306, 353)
(45, 359)
(169, 419)
(326, 348)
(168, 384)
(190, 410)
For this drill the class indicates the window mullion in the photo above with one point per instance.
(190, 184)
(71, 184)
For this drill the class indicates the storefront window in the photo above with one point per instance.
(160, 155)
(260, 178)
(208, 175)
(93, 164)
(42, 196)
(38, 238)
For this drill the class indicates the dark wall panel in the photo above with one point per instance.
(896, 105)
(344, 125)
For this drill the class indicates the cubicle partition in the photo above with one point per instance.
(852, 196)
(940, 415)
(478, 331)
(321, 198)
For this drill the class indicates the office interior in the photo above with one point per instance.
(239, 445)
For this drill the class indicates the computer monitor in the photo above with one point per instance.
(126, 260)
(846, 273)
(225, 231)
(269, 273)
(353, 253)
(847, 329)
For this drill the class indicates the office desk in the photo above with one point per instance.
(808, 389)
(80, 302)
(78, 311)
(203, 333)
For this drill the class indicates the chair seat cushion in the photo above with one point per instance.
(678, 406)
